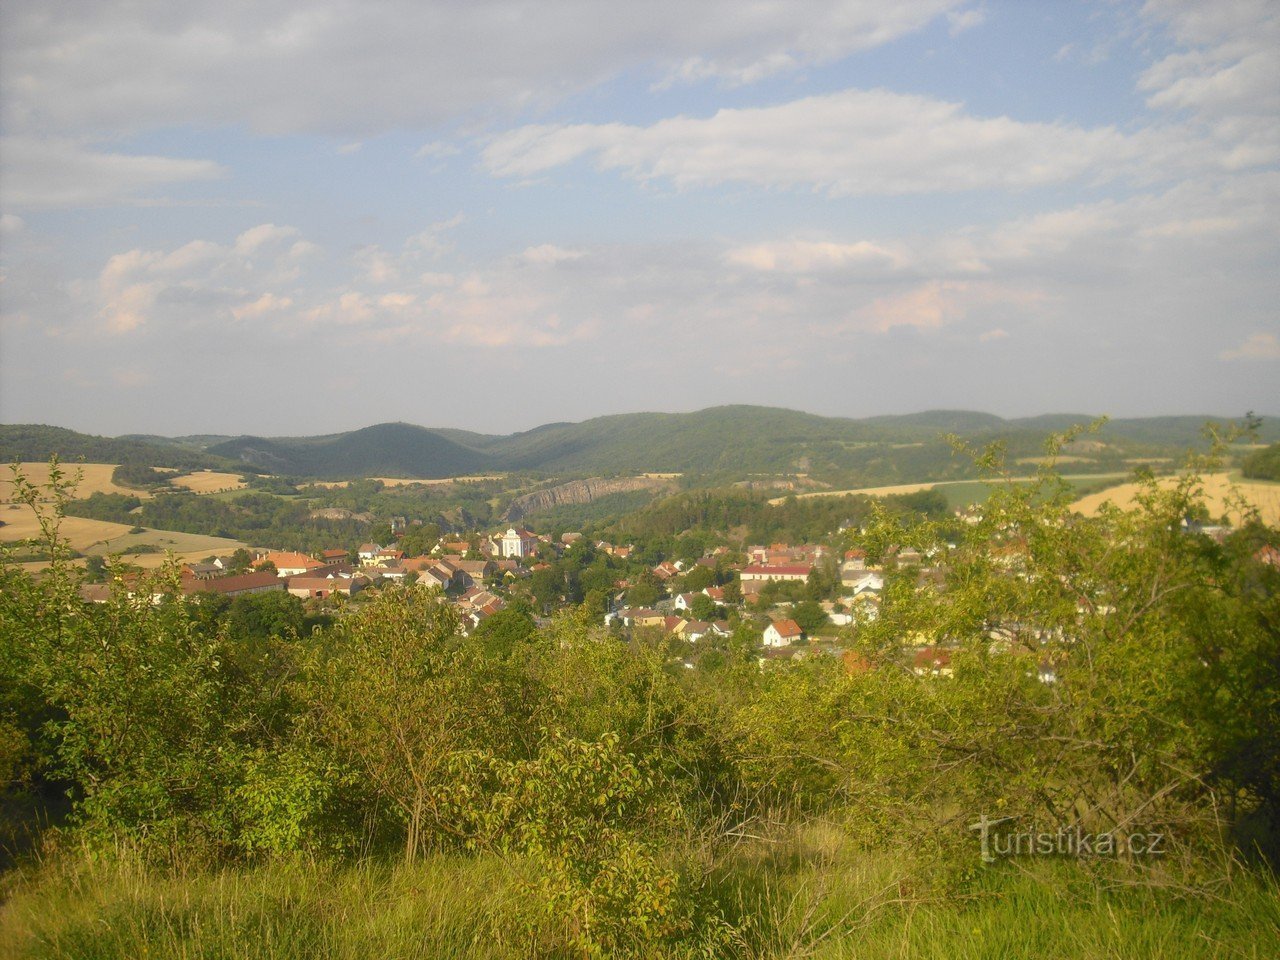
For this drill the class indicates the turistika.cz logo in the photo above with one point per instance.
(998, 839)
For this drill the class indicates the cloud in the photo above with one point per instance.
(199, 281)
(958, 21)
(807, 256)
(1258, 346)
(437, 150)
(852, 143)
(550, 254)
(352, 70)
(995, 334)
(48, 172)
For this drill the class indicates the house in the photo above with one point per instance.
(238, 585)
(684, 601)
(693, 630)
(474, 572)
(367, 553)
(782, 633)
(666, 570)
(335, 556)
(1268, 555)
(867, 582)
(767, 572)
(932, 662)
(201, 571)
(313, 587)
(288, 564)
(855, 559)
(518, 542)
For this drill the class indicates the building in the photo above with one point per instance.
(782, 633)
(766, 572)
(518, 542)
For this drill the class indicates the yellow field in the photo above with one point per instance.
(1062, 458)
(406, 481)
(209, 481)
(1218, 488)
(869, 491)
(101, 537)
(96, 478)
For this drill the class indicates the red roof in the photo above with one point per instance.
(787, 628)
(780, 570)
(243, 583)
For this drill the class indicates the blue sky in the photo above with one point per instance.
(301, 218)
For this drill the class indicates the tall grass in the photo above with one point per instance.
(810, 896)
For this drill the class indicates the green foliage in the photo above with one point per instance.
(631, 806)
(1263, 464)
(134, 474)
(593, 823)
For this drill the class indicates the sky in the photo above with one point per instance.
(287, 218)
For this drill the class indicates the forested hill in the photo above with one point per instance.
(732, 441)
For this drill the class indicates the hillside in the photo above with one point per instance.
(32, 441)
(727, 443)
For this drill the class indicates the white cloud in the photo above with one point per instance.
(351, 69)
(11, 223)
(1257, 346)
(48, 172)
(199, 281)
(437, 150)
(958, 21)
(806, 256)
(549, 254)
(856, 142)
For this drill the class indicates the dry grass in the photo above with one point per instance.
(1219, 490)
(101, 537)
(95, 478)
(210, 481)
(1040, 461)
(406, 481)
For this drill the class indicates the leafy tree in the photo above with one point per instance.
(809, 616)
(703, 607)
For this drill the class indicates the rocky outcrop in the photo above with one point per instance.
(580, 491)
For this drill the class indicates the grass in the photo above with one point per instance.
(1218, 490)
(209, 481)
(94, 478)
(812, 896)
(965, 493)
(102, 537)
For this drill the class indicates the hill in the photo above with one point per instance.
(37, 441)
(725, 444)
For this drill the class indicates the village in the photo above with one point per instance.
(788, 600)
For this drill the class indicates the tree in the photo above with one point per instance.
(387, 702)
(809, 615)
(699, 578)
(703, 607)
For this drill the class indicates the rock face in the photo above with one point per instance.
(580, 491)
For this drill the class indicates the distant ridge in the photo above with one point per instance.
(730, 440)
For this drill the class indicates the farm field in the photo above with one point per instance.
(1218, 490)
(959, 493)
(95, 478)
(101, 537)
(407, 481)
(210, 481)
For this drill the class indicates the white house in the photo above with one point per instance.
(782, 633)
(517, 542)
